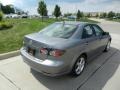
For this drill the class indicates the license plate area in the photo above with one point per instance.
(31, 51)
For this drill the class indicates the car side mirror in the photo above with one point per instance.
(105, 33)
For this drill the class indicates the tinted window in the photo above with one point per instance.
(98, 30)
(59, 30)
(87, 32)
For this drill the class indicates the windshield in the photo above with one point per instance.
(59, 30)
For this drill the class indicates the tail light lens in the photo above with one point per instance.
(43, 51)
(56, 53)
(52, 52)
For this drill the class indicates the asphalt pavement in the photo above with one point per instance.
(103, 73)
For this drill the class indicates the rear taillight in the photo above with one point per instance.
(56, 53)
(52, 52)
(43, 51)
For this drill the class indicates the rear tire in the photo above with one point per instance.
(79, 65)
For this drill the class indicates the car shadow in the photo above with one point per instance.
(68, 82)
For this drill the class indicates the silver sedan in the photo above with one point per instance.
(64, 47)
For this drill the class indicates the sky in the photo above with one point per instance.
(67, 6)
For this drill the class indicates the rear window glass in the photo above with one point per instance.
(59, 30)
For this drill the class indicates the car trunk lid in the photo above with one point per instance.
(36, 41)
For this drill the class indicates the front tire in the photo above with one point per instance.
(79, 66)
(107, 48)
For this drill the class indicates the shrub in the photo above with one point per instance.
(1, 16)
(5, 25)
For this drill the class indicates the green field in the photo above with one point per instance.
(11, 39)
(115, 20)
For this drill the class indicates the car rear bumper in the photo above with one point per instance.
(46, 67)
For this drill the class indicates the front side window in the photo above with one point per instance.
(59, 30)
(98, 30)
(87, 32)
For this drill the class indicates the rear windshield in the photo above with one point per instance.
(59, 30)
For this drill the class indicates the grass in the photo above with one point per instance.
(87, 20)
(115, 20)
(11, 39)
(5, 25)
(84, 20)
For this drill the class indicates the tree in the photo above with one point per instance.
(117, 14)
(82, 14)
(88, 15)
(57, 11)
(7, 9)
(97, 15)
(79, 14)
(111, 14)
(42, 9)
(0, 6)
(1, 15)
(104, 15)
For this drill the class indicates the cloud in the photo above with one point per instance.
(5, 2)
(115, 6)
(68, 5)
(87, 6)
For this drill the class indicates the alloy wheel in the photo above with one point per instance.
(80, 64)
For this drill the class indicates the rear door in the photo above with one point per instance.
(90, 40)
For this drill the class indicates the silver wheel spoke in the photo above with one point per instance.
(81, 61)
(80, 65)
(77, 69)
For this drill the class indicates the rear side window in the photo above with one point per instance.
(98, 30)
(87, 32)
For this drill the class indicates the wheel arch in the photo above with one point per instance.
(82, 54)
(85, 54)
(76, 58)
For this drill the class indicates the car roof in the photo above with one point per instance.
(75, 22)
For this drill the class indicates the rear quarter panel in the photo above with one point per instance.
(73, 52)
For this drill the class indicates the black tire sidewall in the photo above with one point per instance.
(106, 50)
(74, 67)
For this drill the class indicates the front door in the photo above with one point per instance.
(102, 40)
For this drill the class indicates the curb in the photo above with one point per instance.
(9, 54)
